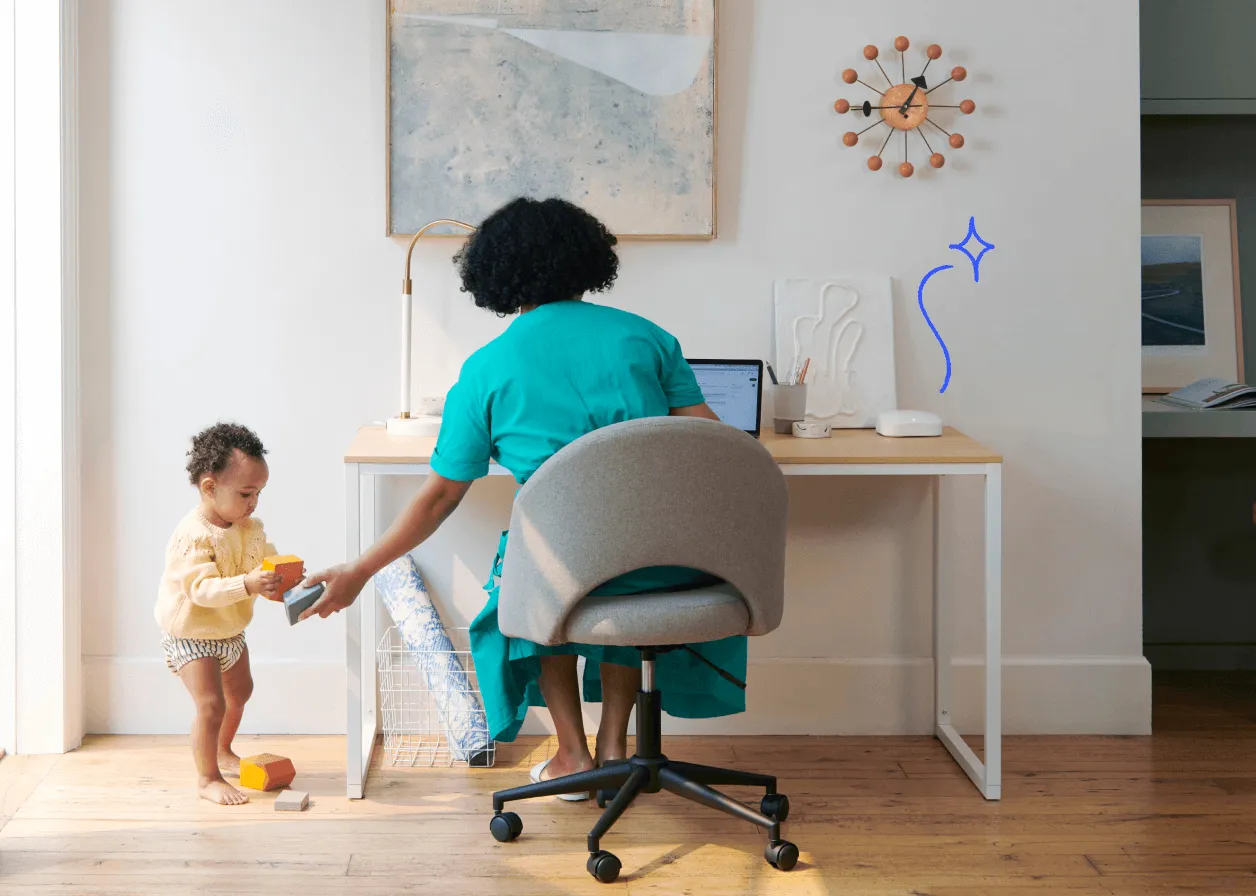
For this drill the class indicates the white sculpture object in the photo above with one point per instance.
(845, 325)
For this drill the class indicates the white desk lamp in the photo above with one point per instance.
(405, 423)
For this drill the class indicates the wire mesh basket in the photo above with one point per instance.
(414, 704)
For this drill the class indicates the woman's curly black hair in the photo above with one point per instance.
(213, 449)
(530, 252)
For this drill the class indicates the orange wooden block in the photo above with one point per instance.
(266, 771)
(291, 570)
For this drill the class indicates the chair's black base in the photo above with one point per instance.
(649, 771)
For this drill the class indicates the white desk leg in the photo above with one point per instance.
(993, 785)
(369, 617)
(361, 726)
(941, 625)
(986, 775)
(355, 776)
(362, 637)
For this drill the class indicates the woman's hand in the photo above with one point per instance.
(265, 582)
(344, 584)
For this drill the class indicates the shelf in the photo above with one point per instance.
(1209, 106)
(1163, 421)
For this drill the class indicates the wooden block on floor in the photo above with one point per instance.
(266, 771)
(292, 801)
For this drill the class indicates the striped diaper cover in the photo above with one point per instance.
(181, 651)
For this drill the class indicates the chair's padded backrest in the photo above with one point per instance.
(661, 491)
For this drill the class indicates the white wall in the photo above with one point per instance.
(8, 395)
(40, 700)
(234, 184)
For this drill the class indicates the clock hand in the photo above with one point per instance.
(903, 108)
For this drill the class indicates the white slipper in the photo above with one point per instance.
(539, 769)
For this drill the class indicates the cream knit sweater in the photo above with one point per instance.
(202, 593)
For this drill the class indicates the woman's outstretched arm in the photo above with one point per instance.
(437, 499)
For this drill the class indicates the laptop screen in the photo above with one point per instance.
(733, 389)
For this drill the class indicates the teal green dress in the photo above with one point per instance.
(559, 372)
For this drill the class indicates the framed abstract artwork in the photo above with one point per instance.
(1192, 325)
(607, 103)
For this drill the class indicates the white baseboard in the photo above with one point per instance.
(138, 695)
(816, 696)
(894, 695)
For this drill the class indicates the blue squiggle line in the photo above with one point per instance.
(920, 299)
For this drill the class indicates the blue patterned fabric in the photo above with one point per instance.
(404, 594)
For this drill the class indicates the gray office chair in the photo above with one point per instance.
(656, 492)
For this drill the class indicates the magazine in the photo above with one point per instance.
(1213, 393)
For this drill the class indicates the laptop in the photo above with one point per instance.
(733, 389)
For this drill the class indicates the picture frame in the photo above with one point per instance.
(401, 223)
(1192, 321)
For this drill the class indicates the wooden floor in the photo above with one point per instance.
(1170, 814)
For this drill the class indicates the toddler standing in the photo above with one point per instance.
(212, 577)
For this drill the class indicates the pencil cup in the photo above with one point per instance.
(789, 406)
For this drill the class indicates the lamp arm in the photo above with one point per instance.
(407, 306)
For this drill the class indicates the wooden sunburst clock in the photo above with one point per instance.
(904, 107)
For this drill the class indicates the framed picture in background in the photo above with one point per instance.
(607, 103)
(1191, 319)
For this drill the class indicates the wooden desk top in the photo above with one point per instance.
(373, 445)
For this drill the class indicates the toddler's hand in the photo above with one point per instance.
(264, 582)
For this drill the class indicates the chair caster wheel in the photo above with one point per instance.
(775, 805)
(605, 867)
(781, 854)
(505, 827)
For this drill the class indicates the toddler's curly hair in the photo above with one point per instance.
(213, 448)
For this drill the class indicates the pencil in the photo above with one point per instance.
(802, 374)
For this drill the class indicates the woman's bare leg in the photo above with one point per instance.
(562, 696)
(619, 695)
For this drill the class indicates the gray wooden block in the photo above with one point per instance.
(291, 801)
(298, 600)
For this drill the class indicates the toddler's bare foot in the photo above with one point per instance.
(222, 793)
(228, 761)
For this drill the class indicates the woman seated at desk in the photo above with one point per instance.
(564, 368)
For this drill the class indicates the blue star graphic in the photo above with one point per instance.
(962, 246)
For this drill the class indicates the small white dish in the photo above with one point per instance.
(901, 424)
